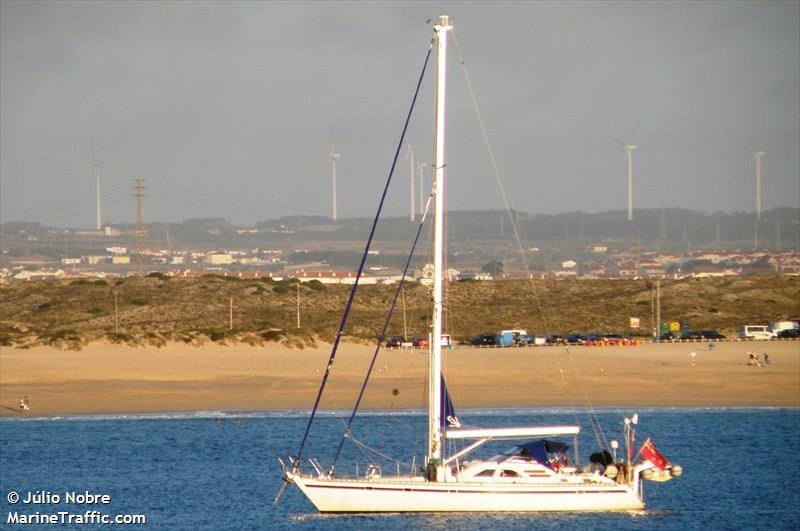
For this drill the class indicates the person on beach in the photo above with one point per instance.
(24, 405)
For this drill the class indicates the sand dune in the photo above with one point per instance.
(105, 378)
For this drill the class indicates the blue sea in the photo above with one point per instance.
(219, 470)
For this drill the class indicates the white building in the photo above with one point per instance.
(219, 258)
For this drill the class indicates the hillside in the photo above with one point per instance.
(156, 309)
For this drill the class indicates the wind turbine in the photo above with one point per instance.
(629, 155)
(334, 157)
(422, 166)
(96, 164)
(757, 156)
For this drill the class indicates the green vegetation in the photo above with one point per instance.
(120, 337)
(316, 285)
(258, 290)
(89, 282)
(195, 310)
(67, 337)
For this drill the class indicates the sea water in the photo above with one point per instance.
(219, 470)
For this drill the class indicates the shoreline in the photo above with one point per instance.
(107, 379)
(303, 413)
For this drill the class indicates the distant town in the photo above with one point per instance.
(587, 246)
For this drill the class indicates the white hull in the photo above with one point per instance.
(414, 494)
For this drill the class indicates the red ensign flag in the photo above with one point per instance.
(650, 453)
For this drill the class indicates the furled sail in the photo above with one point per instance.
(448, 416)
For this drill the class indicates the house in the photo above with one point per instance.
(95, 259)
(652, 270)
(425, 275)
(39, 274)
(598, 248)
(331, 277)
(466, 275)
(627, 270)
(595, 270)
(31, 261)
(565, 273)
(219, 258)
(708, 272)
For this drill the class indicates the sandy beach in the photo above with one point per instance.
(106, 378)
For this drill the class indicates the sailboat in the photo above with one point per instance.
(536, 474)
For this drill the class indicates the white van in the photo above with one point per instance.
(447, 341)
(756, 332)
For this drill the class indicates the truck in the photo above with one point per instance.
(517, 336)
(504, 338)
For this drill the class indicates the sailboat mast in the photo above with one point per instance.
(435, 369)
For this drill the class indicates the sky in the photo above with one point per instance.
(229, 109)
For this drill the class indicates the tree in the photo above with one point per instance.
(494, 268)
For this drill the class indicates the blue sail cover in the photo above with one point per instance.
(448, 413)
(539, 450)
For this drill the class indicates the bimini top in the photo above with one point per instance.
(542, 445)
(513, 433)
(538, 450)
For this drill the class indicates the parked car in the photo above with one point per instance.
(789, 333)
(395, 341)
(524, 339)
(539, 339)
(668, 336)
(612, 339)
(532, 339)
(483, 340)
(555, 339)
(609, 339)
(711, 334)
(576, 339)
(780, 326)
(593, 338)
(688, 335)
(420, 342)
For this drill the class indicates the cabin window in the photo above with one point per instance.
(509, 474)
(488, 473)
